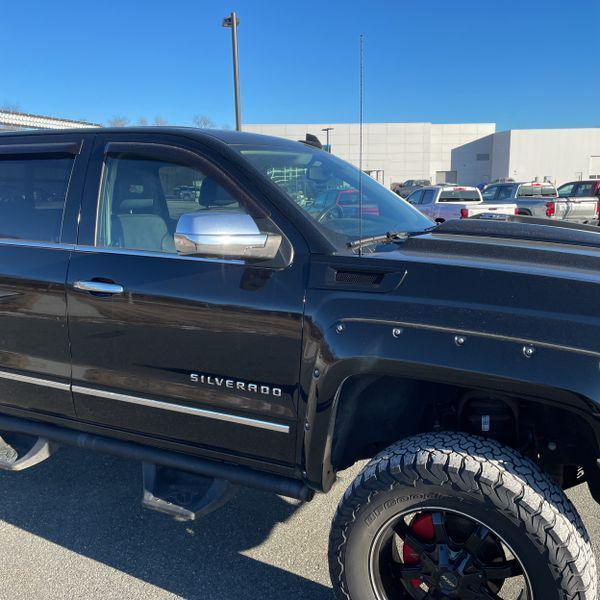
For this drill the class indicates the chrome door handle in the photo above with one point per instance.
(99, 287)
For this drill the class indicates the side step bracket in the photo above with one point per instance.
(10, 459)
(185, 496)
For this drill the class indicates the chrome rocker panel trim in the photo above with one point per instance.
(179, 408)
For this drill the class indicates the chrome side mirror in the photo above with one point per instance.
(224, 233)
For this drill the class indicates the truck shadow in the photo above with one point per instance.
(90, 504)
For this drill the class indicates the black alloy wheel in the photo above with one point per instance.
(429, 554)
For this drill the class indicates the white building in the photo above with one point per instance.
(392, 152)
(556, 155)
(15, 121)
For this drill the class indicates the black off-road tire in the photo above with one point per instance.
(491, 483)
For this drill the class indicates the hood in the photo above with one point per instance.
(522, 244)
(525, 228)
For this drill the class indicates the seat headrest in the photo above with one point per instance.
(135, 205)
(213, 194)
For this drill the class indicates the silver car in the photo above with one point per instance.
(542, 200)
(444, 202)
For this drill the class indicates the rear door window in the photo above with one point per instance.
(33, 190)
(583, 190)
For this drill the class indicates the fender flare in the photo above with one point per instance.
(327, 392)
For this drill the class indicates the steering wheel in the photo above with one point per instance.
(333, 212)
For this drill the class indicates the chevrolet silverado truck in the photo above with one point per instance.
(541, 200)
(443, 202)
(233, 337)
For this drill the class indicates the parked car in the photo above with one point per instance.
(410, 185)
(186, 192)
(541, 200)
(340, 203)
(586, 192)
(443, 202)
(246, 342)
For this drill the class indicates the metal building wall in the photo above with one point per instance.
(401, 150)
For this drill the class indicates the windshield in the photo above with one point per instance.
(326, 189)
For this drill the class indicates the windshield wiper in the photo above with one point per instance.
(386, 238)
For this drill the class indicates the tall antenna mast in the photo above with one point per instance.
(360, 144)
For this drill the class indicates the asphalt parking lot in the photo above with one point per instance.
(74, 528)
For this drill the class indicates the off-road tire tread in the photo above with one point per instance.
(507, 481)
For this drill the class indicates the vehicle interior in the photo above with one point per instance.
(142, 200)
(32, 197)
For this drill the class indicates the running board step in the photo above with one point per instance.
(16, 459)
(238, 474)
(185, 496)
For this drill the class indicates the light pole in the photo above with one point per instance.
(327, 130)
(233, 22)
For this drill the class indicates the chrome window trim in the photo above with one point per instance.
(150, 253)
(180, 408)
(35, 381)
(34, 244)
(104, 250)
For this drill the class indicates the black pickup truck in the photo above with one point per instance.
(288, 316)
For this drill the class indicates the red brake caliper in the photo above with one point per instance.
(422, 528)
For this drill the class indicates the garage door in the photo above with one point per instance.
(446, 177)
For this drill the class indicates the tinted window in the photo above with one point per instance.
(32, 197)
(584, 189)
(428, 196)
(566, 190)
(415, 197)
(460, 196)
(489, 193)
(141, 200)
(505, 192)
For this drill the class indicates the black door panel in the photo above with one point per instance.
(33, 326)
(201, 351)
(41, 180)
(178, 317)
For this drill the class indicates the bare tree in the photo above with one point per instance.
(203, 122)
(10, 106)
(142, 121)
(160, 121)
(118, 122)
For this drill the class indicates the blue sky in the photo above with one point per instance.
(526, 63)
